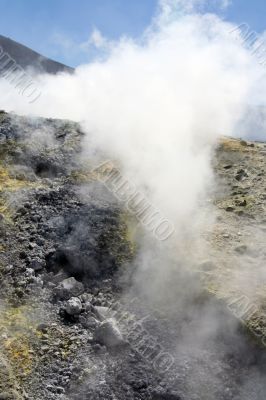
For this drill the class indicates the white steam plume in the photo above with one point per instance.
(158, 105)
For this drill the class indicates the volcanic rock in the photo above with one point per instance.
(68, 288)
(108, 334)
(73, 306)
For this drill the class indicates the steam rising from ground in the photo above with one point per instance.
(158, 105)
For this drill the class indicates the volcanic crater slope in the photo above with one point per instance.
(67, 254)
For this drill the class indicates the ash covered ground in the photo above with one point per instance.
(72, 323)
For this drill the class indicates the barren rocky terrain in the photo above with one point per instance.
(66, 253)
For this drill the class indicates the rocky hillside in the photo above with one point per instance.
(237, 272)
(28, 58)
(65, 246)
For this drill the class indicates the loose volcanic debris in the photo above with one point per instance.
(61, 258)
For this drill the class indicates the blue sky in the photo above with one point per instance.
(56, 28)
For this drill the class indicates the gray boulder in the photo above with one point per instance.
(68, 288)
(108, 334)
(73, 306)
(37, 264)
(88, 321)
